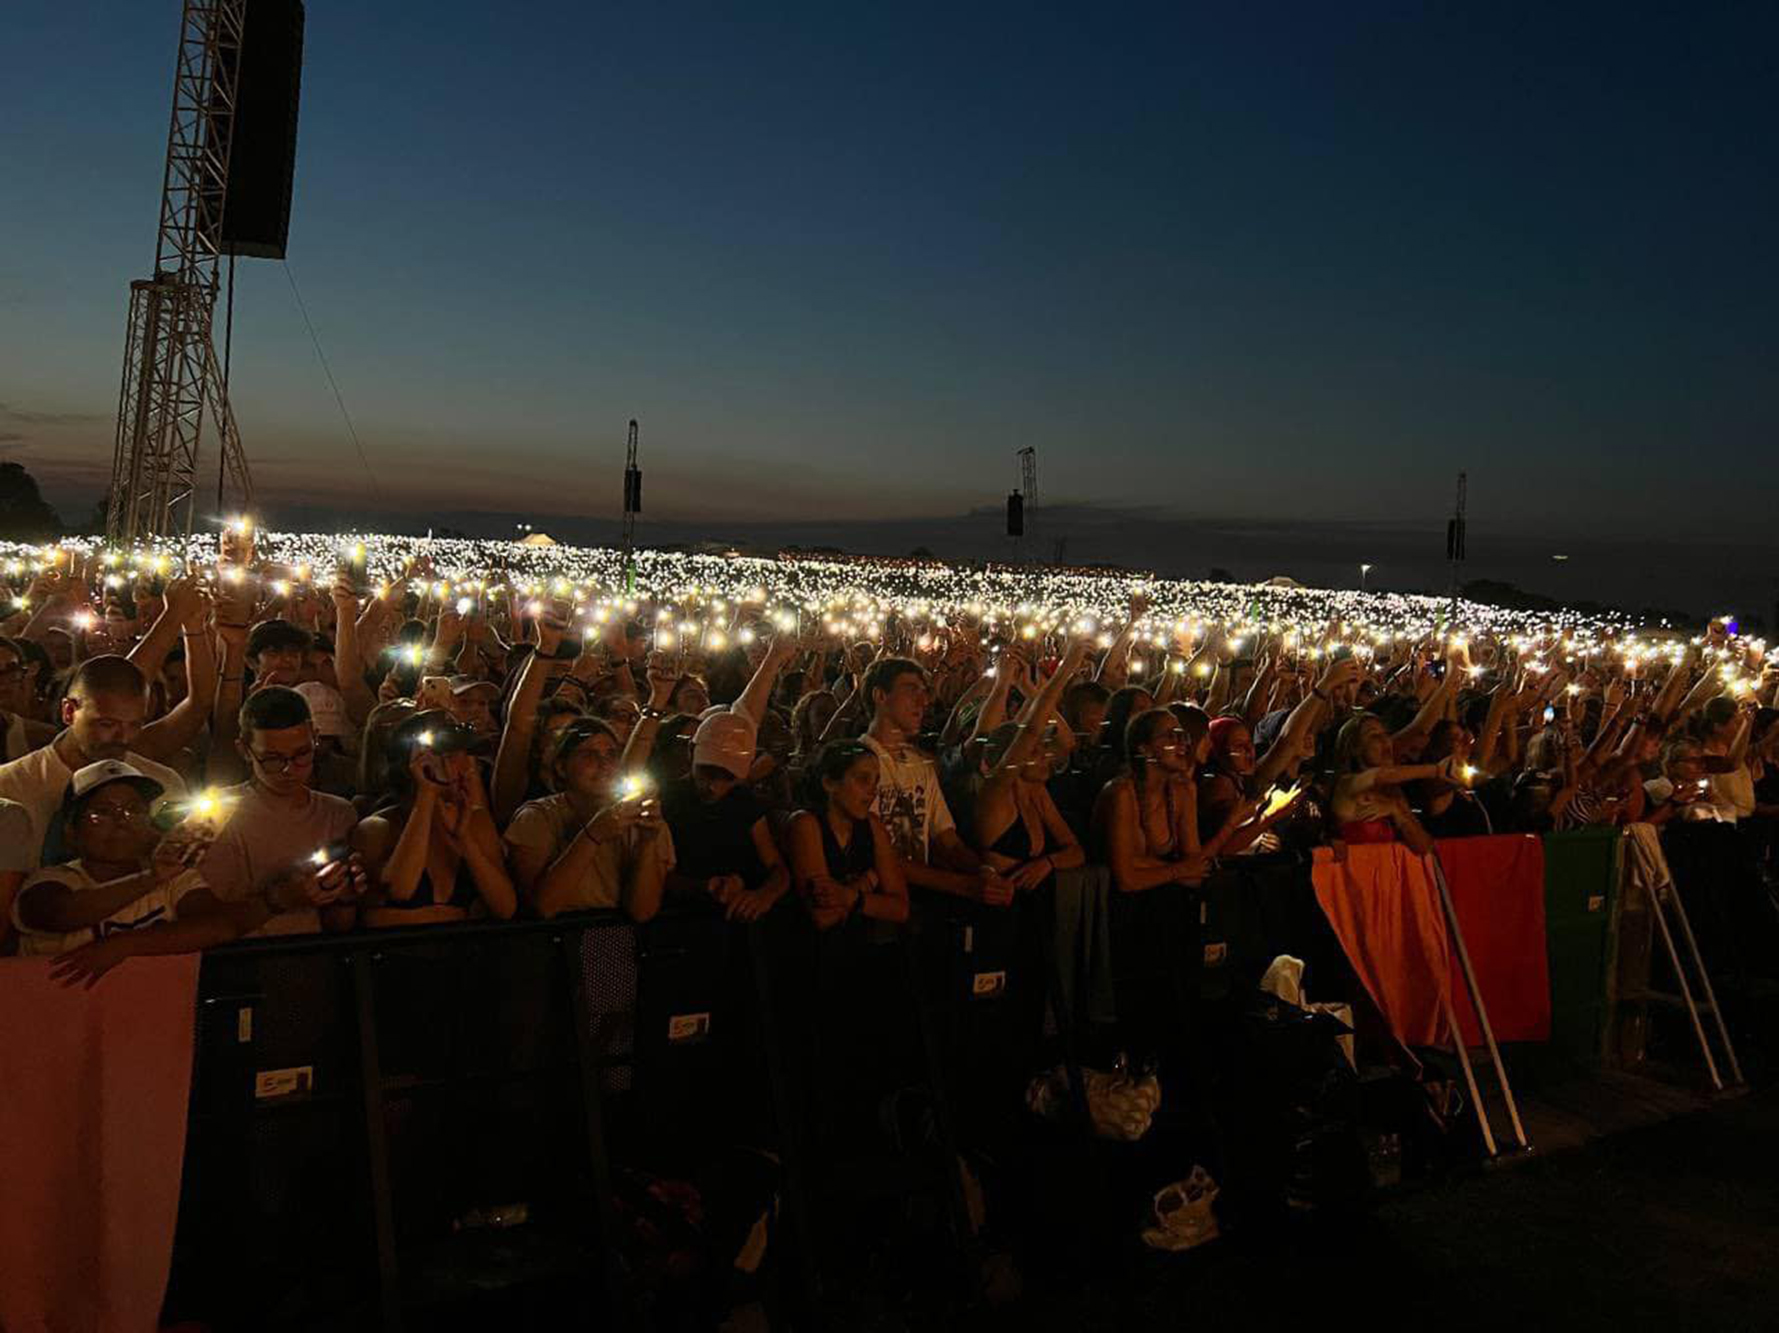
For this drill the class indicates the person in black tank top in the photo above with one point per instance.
(843, 863)
(1017, 826)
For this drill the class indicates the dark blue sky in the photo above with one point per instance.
(1301, 261)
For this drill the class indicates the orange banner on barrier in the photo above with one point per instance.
(1381, 900)
(92, 1116)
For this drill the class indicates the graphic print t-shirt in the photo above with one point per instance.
(910, 801)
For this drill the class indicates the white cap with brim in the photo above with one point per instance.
(327, 709)
(107, 771)
(725, 741)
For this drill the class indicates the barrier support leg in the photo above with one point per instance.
(1723, 1029)
(1476, 1000)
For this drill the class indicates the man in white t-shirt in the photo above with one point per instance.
(910, 802)
(102, 714)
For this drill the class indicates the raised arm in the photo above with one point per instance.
(181, 603)
(757, 696)
(512, 760)
(165, 738)
(1037, 713)
(349, 653)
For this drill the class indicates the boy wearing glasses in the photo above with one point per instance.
(277, 823)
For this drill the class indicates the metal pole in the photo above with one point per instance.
(1476, 999)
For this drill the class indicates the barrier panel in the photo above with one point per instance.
(369, 1111)
(1582, 873)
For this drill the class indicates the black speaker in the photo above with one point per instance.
(1454, 539)
(633, 490)
(1015, 515)
(262, 154)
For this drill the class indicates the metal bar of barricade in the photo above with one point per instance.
(370, 1073)
(1476, 1000)
(1686, 990)
(1723, 1030)
(790, 1140)
(1059, 1010)
(605, 1214)
(1476, 1101)
(944, 1123)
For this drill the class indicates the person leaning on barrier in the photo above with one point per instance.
(130, 890)
(591, 844)
(910, 802)
(435, 854)
(277, 824)
(1146, 821)
(720, 831)
(843, 861)
(1368, 804)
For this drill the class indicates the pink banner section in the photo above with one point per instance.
(1381, 900)
(92, 1122)
(1497, 887)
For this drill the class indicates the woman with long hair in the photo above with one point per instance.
(1146, 820)
(1368, 803)
(842, 859)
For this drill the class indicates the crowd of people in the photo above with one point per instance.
(252, 747)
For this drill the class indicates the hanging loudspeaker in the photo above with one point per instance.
(262, 146)
(1016, 515)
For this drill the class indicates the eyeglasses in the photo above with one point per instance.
(283, 763)
(127, 816)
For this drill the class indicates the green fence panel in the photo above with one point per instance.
(1581, 873)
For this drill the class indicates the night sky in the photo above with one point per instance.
(1282, 262)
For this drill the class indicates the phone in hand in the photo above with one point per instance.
(355, 566)
(435, 692)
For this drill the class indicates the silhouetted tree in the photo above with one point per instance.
(25, 516)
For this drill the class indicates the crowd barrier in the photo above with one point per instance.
(362, 1108)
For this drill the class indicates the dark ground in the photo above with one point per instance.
(1672, 1227)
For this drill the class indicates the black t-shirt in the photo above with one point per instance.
(713, 838)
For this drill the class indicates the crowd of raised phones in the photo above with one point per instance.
(192, 760)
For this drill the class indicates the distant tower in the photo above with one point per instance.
(1023, 500)
(632, 507)
(1454, 541)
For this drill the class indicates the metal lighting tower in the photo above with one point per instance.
(171, 373)
(1028, 483)
(1454, 541)
(632, 507)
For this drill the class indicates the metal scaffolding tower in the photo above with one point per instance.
(171, 374)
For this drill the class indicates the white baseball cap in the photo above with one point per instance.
(327, 709)
(107, 771)
(726, 741)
